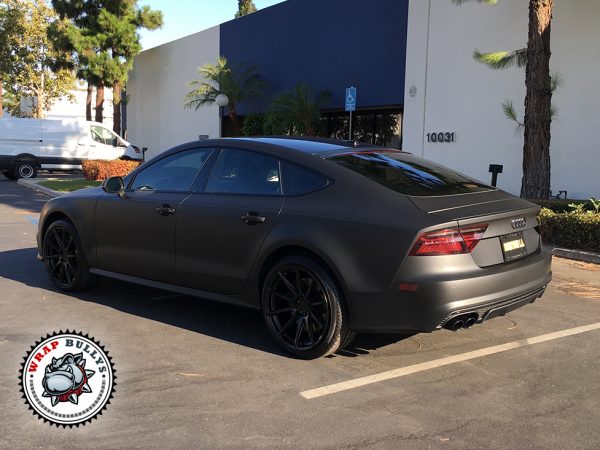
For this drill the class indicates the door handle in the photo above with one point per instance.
(252, 217)
(165, 210)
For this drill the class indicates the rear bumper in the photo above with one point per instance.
(447, 288)
(495, 309)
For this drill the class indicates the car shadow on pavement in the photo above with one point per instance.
(364, 344)
(226, 322)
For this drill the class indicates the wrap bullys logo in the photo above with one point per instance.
(67, 378)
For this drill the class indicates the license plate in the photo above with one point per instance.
(513, 246)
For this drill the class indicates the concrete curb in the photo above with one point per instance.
(578, 255)
(33, 184)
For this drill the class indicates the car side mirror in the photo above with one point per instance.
(114, 185)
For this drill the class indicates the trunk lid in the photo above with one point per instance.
(512, 231)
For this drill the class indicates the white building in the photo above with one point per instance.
(74, 108)
(157, 85)
(451, 92)
(443, 89)
(66, 109)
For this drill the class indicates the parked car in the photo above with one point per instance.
(325, 237)
(27, 145)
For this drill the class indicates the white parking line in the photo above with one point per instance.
(403, 371)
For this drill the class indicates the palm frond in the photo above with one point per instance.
(509, 112)
(238, 83)
(556, 81)
(502, 60)
(300, 107)
(554, 112)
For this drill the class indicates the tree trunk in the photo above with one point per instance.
(234, 121)
(100, 102)
(117, 108)
(1, 99)
(88, 101)
(39, 107)
(538, 101)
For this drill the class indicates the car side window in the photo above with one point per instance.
(298, 180)
(173, 173)
(245, 172)
(102, 135)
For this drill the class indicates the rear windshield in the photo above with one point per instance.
(408, 174)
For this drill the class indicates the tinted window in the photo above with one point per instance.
(408, 174)
(244, 172)
(298, 180)
(173, 173)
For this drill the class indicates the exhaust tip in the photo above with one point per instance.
(470, 322)
(455, 324)
(463, 321)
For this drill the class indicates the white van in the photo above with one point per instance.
(27, 145)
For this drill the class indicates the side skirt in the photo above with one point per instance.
(174, 288)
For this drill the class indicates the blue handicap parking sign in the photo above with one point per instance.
(351, 99)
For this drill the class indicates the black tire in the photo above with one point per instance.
(25, 169)
(303, 308)
(8, 174)
(64, 258)
(347, 339)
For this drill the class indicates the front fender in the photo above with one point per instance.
(77, 208)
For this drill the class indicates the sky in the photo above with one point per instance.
(184, 17)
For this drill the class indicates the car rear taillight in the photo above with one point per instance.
(451, 241)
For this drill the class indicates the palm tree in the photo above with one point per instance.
(238, 84)
(301, 107)
(538, 100)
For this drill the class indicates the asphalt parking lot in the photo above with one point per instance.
(195, 374)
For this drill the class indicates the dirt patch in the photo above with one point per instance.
(579, 264)
(576, 287)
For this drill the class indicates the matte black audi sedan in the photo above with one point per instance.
(327, 238)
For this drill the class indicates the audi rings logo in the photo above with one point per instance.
(518, 223)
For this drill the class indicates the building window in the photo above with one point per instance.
(379, 127)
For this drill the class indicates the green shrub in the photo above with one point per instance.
(575, 229)
(253, 124)
(563, 205)
(277, 124)
(100, 169)
(560, 206)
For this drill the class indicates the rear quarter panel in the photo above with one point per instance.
(362, 234)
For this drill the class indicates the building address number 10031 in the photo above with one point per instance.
(441, 137)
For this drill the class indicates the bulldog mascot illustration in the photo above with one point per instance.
(66, 378)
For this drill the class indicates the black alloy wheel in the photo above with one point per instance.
(64, 259)
(302, 308)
